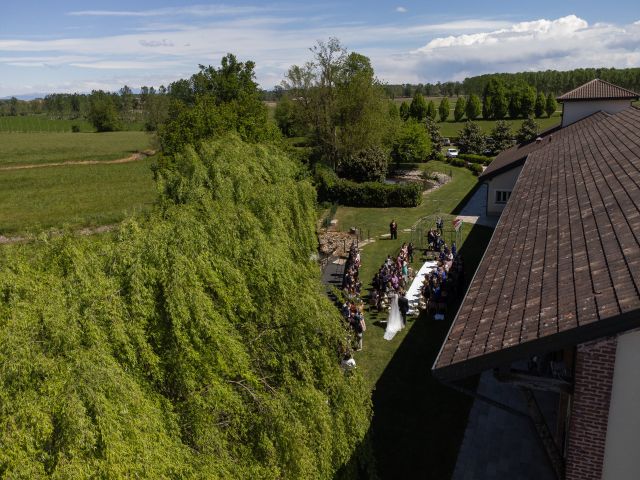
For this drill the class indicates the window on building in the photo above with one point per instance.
(502, 196)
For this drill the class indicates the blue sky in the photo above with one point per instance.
(82, 45)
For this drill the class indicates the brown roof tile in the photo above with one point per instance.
(563, 265)
(598, 90)
(516, 155)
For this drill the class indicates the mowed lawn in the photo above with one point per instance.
(36, 199)
(33, 148)
(451, 129)
(375, 221)
(418, 422)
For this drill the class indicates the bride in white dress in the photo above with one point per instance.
(394, 324)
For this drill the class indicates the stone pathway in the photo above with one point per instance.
(499, 445)
(475, 211)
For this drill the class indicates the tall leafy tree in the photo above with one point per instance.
(418, 107)
(126, 103)
(103, 113)
(494, 100)
(501, 137)
(541, 103)
(404, 110)
(216, 100)
(363, 114)
(284, 115)
(341, 105)
(437, 142)
(473, 107)
(412, 143)
(471, 139)
(459, 110)
(528, 131)
(432, 111)
(367, 165)
(444, 109)
(515, 103)
(527, 101)
(162, 352)
(551, 105)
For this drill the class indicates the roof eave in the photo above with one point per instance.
(568, 338)
(516, 163)
(592, 99)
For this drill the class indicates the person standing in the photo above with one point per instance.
(439, 225)
(403, 305)
(393, 230)
(359, 327)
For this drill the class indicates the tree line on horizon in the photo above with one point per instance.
(554, 82)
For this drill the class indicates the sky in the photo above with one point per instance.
(77, 46)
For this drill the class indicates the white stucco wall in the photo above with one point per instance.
(505, 182)
(622, 447)
(574, 111)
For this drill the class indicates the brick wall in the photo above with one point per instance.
(594, 367)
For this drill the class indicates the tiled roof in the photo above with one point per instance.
(598, 90)
(563, 265)
(515, 156)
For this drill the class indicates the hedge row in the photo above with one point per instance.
(469, 157)
(331, 188)
(476, 168)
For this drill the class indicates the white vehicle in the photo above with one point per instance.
(446, 142)
(452, 152)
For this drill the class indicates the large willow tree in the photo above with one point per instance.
(196, 343)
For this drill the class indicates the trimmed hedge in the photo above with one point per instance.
(476, 168)
(469, 157)
(465, 162)
(331, 188)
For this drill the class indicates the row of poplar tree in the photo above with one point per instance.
(498, 101)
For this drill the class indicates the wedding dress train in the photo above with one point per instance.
(394, 324)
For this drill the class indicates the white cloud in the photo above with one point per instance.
(561, 44)
(450, 49)
(193, 10)
(401, 10)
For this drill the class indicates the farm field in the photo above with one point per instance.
(36, 199)
(33, 148)
(43, 124)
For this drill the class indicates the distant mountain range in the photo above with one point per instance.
(26, 96)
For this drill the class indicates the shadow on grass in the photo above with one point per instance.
(458, 208)
(418, 423)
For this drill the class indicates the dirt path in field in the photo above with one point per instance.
(131, 158)
(54, 233)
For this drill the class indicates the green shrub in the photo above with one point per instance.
(331, 188)
(470, 157)
(476, 168)
(457, 162)
(75, 128)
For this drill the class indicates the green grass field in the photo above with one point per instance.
(43, 124)
(418, 423)
(75, 196)
(32, 148)
(375, 221)
(451, 128)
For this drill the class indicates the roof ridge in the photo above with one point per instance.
(614, 85)
(589, 91)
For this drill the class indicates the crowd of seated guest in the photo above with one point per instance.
(444, 281)
(394, 274)
(353, 308)
(351, 284)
